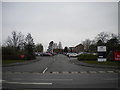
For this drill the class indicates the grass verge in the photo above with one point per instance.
(12, 61)
(110, 63)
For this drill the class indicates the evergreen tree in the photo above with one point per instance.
(39, 48)
(29, 47)
(66, 49)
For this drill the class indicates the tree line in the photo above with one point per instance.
(19, 46)
(110, 40)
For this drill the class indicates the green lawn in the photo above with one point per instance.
(103, 63)
(12, 61)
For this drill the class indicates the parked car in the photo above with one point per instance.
(72, 54)
(67, 54)
(54, 54)
(37, 53)
(46, 54)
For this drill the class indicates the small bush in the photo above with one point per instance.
(10, 53)
(30, 56)
(10, 57)
(110, 56)
(87, 57)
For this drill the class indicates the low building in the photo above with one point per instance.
(71, 49)
(77, 49)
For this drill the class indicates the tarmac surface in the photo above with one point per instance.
(58, 72)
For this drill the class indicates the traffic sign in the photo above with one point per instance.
(101, 53)
(117, 56)
(101, 48)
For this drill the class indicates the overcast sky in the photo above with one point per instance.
(70, 23)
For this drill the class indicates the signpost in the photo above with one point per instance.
(117, 56)
(101, 53)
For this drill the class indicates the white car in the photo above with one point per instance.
(72, 54)
(67, 54)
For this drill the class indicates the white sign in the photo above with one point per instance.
(101, 53)
(101, 48)
(102, 59)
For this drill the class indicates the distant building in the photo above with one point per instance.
(55, 46)
(60, 46)
(71, 49)
(77, 49)
(50, 47)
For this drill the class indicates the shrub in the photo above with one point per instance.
(87, 57)
(9, 57)
(110, 56)
(10, 53)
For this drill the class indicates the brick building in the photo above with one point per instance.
(77, 49)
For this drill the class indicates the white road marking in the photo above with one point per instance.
(74, 72)
(65, 72)
(92, 71)
(29, 83)
(25, 72)
(55, 79)
(55, 72)
(17, 72)
(8, 72)
(36, 73)
(83, 72)
(45, 70)
(1, 81)
(101, 71)
(42, 79)
(118, 71)
(110, 71)
(17, 79)
(110, 79)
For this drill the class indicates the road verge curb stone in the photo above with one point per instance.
(75, 61)
(20, 63)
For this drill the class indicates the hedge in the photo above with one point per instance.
(87, 57)
(12, 57)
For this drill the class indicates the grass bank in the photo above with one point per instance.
(12, 61)
(110, 63)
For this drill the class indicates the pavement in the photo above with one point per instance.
(75, 61)
(21, 63)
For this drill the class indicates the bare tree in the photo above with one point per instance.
(119, 38)
(103, 36)
(29, 39)
(16, 40)
(86, 44)
(115, 36)
(50, 47)
(59, 45)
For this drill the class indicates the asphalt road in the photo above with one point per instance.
(57, 72)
